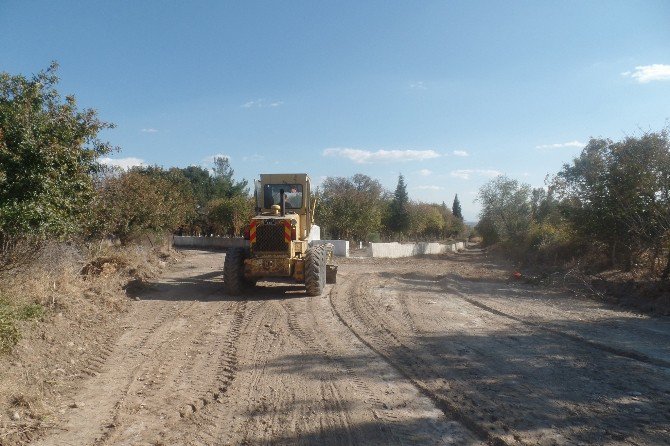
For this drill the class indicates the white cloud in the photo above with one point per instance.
(254, 157)
(460, 153)
(124, 163)
(149, 130)
(429, 187)
(466, 174)
(418, 86)
(648, 73)
(262, 103)
(366, 156)
(425, 172)
(210, 159)
(575, 143)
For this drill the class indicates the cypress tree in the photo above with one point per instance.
(456, 208)
(399, 221)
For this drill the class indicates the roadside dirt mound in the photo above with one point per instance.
(71, 340)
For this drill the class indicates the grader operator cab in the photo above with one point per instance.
(279, 237)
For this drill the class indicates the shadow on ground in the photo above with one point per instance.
(527, 384)
(209, 287)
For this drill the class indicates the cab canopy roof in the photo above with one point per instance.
(284, 178)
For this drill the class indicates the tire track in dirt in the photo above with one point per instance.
(368, 331)
(100, 419)
(151, 390)
(316, 344)
(453, 286)
(389, 400)
(359, 309)
(206, 417)
(141, 387)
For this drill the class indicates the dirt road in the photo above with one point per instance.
(410, 351)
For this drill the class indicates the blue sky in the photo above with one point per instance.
(447, 93)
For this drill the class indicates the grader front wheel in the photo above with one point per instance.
(315, 270)
(234, 282)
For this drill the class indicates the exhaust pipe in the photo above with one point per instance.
(282, 202)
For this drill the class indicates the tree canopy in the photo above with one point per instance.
(350, 208)
(48, 151)
(506, 212)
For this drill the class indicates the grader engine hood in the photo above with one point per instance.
(272, 234)
(275, 252)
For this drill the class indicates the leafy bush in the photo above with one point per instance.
(506, 211)
(48, 151)
(10, 315)
(229, 215)
(9, 332)
(141, 201)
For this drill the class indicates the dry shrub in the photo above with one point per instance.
(18, 251)
(64, 309)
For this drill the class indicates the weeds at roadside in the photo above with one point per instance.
(57, 313)
(10, 317)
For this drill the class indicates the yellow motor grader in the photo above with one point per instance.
(279, 238)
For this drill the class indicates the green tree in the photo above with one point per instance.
(229, 215)
(427, 222)
(224, 184)
(618, 194)
(506, 211)
(201, 182)
(350, 208)
(48, 153)
(142, 201)
(453, 226)
(399, 217)
(456, 208)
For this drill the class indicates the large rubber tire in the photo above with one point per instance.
(234, 283)
(315, 270)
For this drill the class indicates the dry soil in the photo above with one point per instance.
(438, 350)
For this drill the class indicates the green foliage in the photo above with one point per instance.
(426, 221)
(618, 194)
(224, 185)
(350, 208)
(30, 312)
(358, 208)
(399, 216)
(214, 192)
(9, 332)
(456, 208)
(612, 200)
(219, 183)
(202, 184)
(453, 226)
(506, 211)
(549, 242)
(10, 315)
(140, 201)
(48, 151)
(230, 215)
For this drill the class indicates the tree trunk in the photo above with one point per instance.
(666, 271)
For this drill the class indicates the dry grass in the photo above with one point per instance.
(56, 315)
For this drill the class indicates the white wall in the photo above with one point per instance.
(340, 247)
(395, 249)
